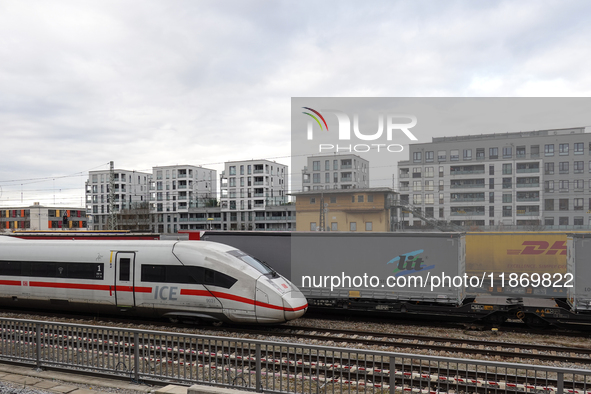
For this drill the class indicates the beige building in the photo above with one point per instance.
(357, 210)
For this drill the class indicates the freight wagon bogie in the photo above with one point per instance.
(185, 281)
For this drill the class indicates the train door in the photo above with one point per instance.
(124, 284)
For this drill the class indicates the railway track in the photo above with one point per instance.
(229, 360)
(461, 347)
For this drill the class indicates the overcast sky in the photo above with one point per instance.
(202, 82)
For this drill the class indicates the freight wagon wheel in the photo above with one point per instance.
(533, 321)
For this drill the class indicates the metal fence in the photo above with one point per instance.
(268, 366)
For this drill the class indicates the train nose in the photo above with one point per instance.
(294, 304)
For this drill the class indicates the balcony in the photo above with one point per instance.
(527, 170)
(528, 185)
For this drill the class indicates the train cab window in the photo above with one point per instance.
(260, 266)
(124, 269)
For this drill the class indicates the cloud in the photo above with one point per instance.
(157, 83)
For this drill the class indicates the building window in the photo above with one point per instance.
(417, 157)
(416, 186)
(416, 172)
(563, 204)
(479, 153)
(491, 197)
(491, 183)
(491, 170)
(549, 221)
(333, 200)
(579, 148)
(535, 151)
(578, 204)
(429, 156)
(579, 185)
(549, 186)
(312, 226)
(507, 211)
(563, 167)
(507, 169)
(520, 152)
(313, 200)
(417, 199)
(579, 167)
(578, 221)
(316, 178)
(507, 198)
(441, 169)
(493, 153)
(491, 211)
(507, 152)
(563, 186)
(563, 221)
(507, 184)
(232, 170)
(360, 198)
(368, 226)
(549, 150)
(454, 155)
(353, 226)
(549, 204)
(563, 149)
(549, 168)
(467, 154)
(428, 186)
(429, 173)
(442, 155)
(334, 226)
(429, 199)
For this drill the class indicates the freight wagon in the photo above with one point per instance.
(322, 256)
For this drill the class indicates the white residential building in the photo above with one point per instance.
(535, 178)
(335, 172)
(175, 190)
(131, 189)
(254, 196)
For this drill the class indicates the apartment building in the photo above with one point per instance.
(177, 190)
(533, 178)
(131, 188)
(335, 172)
(254, 196)
(40, 218)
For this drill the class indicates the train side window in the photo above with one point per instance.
(10, 268)
(124, 269)
(197, 274)
(44, 269)
(223, 280)
(153, 273)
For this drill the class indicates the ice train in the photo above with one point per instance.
(181, 280)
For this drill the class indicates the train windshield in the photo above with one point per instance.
(259, 265)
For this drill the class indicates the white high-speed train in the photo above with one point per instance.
(181, 280)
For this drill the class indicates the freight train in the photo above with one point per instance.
(524, 275)
(179, 280)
